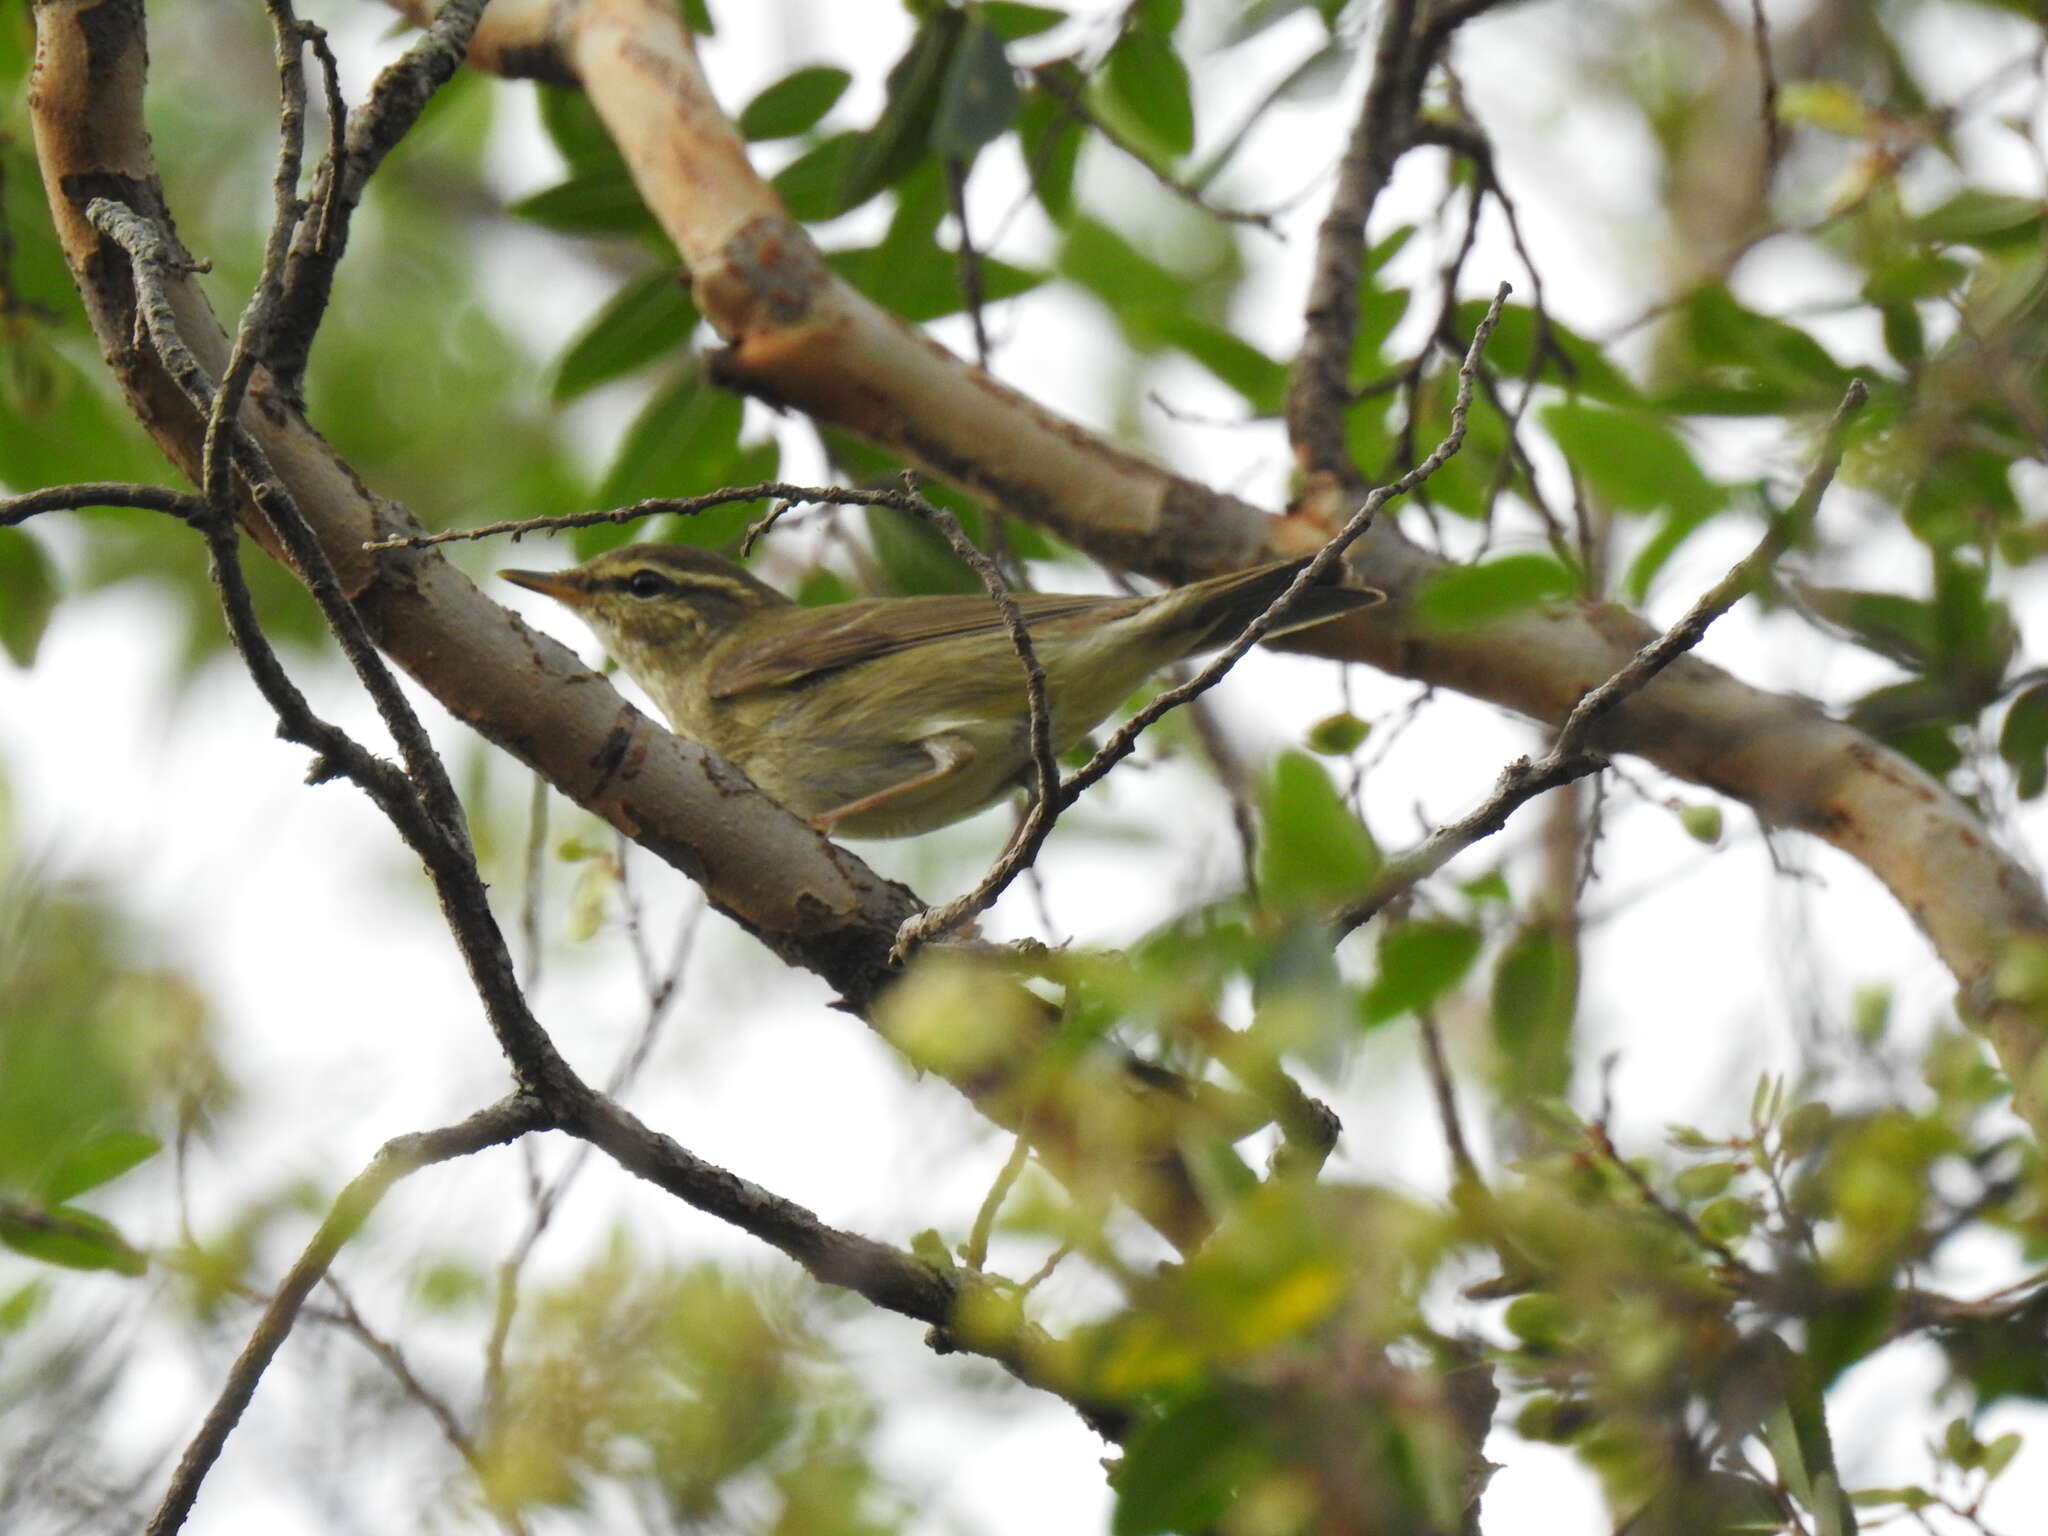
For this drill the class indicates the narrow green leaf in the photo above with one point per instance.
(794, 104)
(813, 184)
(1981, 218)
(1051, 137)
(650, 316)
(594, 203)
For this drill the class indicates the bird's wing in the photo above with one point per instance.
(840, 634)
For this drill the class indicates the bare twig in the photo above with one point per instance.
(1319, 383)
(1464, 1171)
(182, 505)
(1059, 81)
(501, 1122)
(1568, 758)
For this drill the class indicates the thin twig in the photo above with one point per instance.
(974, 1252)
(1568, 758)
(502, 1122)
(1119, 745)
(1767, 77)
(1464, 1171)
(1058, 80)
(182, 505)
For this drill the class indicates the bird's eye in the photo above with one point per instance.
(646, 584)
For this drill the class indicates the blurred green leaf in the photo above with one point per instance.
(595, 203)
(1975, 216)
(1314, 851)
(69, 1237)
(1419, 961)
(1145, 88)
(1721, 358)
(1461, 596)
(1051, 138)
(978, 99)
(1338, 735)
(1533, 1005)
(28, 595)
(1013, 19)
(885, 153)
(1632, 460)
(2023, 740)
(650, 316)
(794, 104)
(684, 443)
(1180, 1470)
(1569, 361)
(100, 1160)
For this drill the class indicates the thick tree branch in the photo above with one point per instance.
(800, 336)
(809, 901)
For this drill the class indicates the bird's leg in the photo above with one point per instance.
(949, 754)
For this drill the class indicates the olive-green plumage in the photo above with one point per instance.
(897, 715)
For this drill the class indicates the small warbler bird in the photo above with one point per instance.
(897, 715)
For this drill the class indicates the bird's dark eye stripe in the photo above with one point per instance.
(651, 583)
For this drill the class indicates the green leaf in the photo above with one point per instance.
(794, 104)
(1721, 358)
(1338, 735)
(595, 203)
(67, 1236)
(1051, 138)
(1532, 1008)
(1418, 963)
(1180, 1470)
(813, 184)
(98, 1161)
(578, 132)
(1983, 219)
(684, 443)
(1314, 852)
(1796, 1435)
(910, 273)
(28, 595)
(1145, 84)
(1632, 460)
(1462, 596)
(978, 100)
(650, 316)
(1702, 823)
(1261, 380)
(1012, 19)
(886, 152)
(915, 556)
(2023, 740)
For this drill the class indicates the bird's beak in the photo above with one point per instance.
(560, 585)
